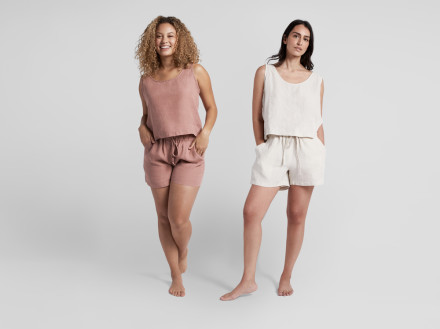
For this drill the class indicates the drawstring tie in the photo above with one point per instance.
(175, 142)
(297, 141)
(285, 143)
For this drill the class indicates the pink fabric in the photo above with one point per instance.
(172, 105)
(169, 160)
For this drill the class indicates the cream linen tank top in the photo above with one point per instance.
(291, 109)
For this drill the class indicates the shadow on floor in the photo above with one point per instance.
(214, 281)
(156, 276)
(270, 278)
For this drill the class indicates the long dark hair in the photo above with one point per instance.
(306, 59)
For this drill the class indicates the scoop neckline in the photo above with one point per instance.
(160, 81)
(291, 83)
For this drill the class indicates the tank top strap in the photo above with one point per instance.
(268, 72)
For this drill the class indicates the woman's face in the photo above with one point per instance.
(297, 41)
(166, 39)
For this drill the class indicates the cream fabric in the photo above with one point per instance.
(291, 109)
(285, 160)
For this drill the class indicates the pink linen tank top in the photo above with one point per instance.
(172, 105)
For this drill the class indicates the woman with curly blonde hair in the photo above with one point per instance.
(171, 132)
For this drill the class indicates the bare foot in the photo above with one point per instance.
(183, 261)
(244, 287)
(177, 289)
(285, 289)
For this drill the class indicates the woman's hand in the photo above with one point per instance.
(320, 134)
(146, 135)
(200, 142)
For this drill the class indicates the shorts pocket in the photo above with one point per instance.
(197, 154)
(320, 142)
(260, 146)
(148, 147)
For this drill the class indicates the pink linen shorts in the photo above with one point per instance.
(169, 160)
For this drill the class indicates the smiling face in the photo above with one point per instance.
(166, 40)
(297, 41)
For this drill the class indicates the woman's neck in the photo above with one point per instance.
(292, 63)
(167, 63)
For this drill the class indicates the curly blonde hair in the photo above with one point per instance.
(186, 51)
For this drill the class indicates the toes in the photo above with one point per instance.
(226, 297)
(285, 293)
(177, 293)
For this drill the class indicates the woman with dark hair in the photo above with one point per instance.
(171, 132)
(290, 151)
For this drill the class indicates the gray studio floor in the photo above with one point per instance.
(76, 294)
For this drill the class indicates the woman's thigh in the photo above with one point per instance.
(180, 201)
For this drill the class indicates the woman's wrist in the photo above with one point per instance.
(206, 132)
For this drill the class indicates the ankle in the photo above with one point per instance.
(286, 276)
(248, 279)
(176, 275)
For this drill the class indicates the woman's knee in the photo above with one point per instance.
(250, 215)
(178, 221)
(162, 217)
(296, 216)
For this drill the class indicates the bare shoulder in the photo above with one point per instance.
(141, 81)
(260, 74)
(199, 69)
(261, 70)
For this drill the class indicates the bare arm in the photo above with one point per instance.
(207, 96)
(257, 105)
(144, 133)
(320, 132)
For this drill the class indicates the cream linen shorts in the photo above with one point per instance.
(289, 160)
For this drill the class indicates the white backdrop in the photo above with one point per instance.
(78, 236)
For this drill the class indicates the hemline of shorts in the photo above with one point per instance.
(286, 187)
(168, 184)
